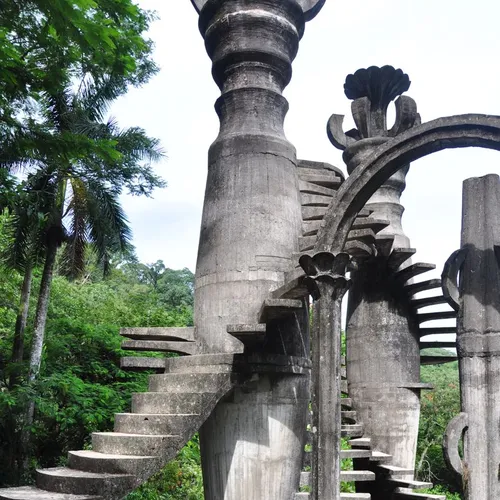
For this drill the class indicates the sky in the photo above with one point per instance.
(449, 48)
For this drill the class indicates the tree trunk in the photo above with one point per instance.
(38, 338)
(22, 316)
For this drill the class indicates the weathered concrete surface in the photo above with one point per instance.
(383, 353)
(478, 336)
(250, 229)
(327, 283)
(252, 213)
(253, 443)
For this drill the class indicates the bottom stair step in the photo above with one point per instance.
(65, 480)
(356, 475)
(93, 461)
(343, 496)
(407, 494)
(410, 485)
(345, 476)
(32, 493)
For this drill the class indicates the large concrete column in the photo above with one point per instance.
(383, 354)
(327, 285)
(253, 442)
(478, 338)
(252, 214)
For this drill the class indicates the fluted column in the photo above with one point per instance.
(252, 215)
(383, 355)
(477, 299)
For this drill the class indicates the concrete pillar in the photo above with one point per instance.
(383, 354)
(327, 285)
(252, 444)
(478, 339)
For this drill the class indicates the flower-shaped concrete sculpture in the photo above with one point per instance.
(325, 271)
(372, 90)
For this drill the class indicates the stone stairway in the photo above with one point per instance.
(161, 421)
(369, 465)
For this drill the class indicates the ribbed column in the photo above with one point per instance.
(252, 215)
(383, 355)
(253, 442)
(478, 336)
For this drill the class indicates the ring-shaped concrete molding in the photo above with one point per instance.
(444, 133)
(309, 7)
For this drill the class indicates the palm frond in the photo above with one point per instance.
(109, 229)
(73, 257)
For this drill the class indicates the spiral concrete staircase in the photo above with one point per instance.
(186, 389)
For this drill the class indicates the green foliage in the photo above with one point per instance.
(81, 385)
(181, 479)
(438, 407)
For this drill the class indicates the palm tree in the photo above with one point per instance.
(80, 164)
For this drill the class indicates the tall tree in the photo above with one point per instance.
(83, 164)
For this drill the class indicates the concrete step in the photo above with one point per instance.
(310, 227)
(344, 386)
(32, 493)
(183, 348)
(72, 481)
(378, 456)
(422, 286)
(139, 363)
(356, 475)
(180, 383)
(278, 308)
(348, 416)
(313, 213)
(437, 360)
(428, 301)
(440, 344)
(164, 402)
(310, 188)
(343, 496)
(364, 442)
(433, 316)
(314, 200)
(186, 334)
(393, 470)
(115, 443)
(148, 423)
(409, 272)
(358, 249)
(398, 256)
(328, 181)
(345, 476)
(411, 485)
(366, 236)
(307, 243)
(93, 461)
(439, 330)
(346, 402)
(407, 494)
(353, 430)
(375, 225)
(248, 334)
(355, 453)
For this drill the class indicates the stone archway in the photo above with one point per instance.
(449, 132)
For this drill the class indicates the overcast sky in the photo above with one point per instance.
(449, 48)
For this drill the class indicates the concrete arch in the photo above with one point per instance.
(450, 132)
